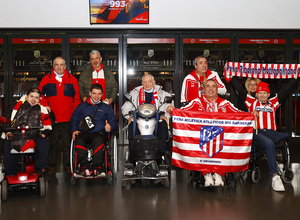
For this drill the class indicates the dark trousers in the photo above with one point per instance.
(268, 139)
(94, 141)
(162, 132)
(61, 130)
(41, 155)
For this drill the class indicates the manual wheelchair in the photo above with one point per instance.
(109, 161)
(282, 159)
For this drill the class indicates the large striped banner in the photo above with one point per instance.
(261, 70)
(213, 142)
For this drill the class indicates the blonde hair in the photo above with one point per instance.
(248, 82)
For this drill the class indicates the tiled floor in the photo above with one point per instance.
(97, 200)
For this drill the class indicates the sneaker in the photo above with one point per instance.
(99, 172)
(208, 180)
(84, 172)
(218, 180)
(277, 184)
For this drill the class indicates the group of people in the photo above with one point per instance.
(60, 95)
(200, 89)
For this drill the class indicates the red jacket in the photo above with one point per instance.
(62, 97)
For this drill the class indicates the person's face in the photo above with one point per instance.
(96, 95)
(252, 86)
(262, 96)
(210, 90)
(59, 66)
(148, 83)
(201, 66)
(96, 60)
(33, 98)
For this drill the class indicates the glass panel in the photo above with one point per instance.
(296, 92)
(32, 59)
(265, 51)
(216, 50)
(151, 55)
(1, 76)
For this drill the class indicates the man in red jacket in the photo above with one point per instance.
(61, 91)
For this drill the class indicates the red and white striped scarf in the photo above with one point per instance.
(98, 78)
(142, 97)
(44, 111)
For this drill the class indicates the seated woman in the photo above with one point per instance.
(27, 111)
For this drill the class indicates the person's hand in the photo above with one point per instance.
(84, 99)
(9, 136)
(170, 109)
(43, 136)
(75, 133)
(255, 113)
(130, 120)
(48, 108)
(110, 101)
(164, 118)
(107, 127)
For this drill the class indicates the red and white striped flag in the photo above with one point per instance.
(212, 142)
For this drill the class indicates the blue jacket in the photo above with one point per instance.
(104, 113)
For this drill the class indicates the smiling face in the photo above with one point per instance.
(96, 95)
(201, 66)
(33, 98)
(210, 89)
(262, 96)
(148, 82)
(252, 86)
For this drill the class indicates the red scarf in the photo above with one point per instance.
(98, 80)
(142, 97)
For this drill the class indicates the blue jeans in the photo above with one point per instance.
(268, 139)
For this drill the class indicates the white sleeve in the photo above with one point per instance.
(221, 87)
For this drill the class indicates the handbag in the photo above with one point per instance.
(88, 123)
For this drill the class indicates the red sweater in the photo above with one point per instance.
(62, 97)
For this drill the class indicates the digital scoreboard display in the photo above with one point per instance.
(119, 12)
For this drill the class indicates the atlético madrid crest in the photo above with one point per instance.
(211, 139)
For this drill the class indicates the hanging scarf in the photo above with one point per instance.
(44, 111)
(98, 78)
(142, 97)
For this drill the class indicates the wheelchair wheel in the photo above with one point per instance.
(42, 186)
(126, 184)
(110, 178)
(72, 156)
(4, 190)
(287, 176)
(146, 183)
(166, 183)
(73, 181)
(255, 175)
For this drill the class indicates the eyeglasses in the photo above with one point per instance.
(252, 84)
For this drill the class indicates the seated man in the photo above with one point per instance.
(104, 120)
(264, 110)
(210, 102)
(27, 111)
(148, 93)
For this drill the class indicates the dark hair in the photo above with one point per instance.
(34, 90)
(96, 86)
(198, 57)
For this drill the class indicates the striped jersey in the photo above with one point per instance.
(266, 112)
